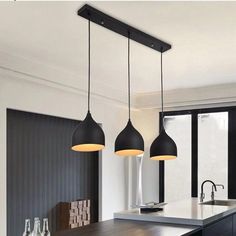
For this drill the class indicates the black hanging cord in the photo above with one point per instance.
(129, 72)
(89, 65)
(162, 95)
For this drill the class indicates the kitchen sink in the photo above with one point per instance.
(220, 203)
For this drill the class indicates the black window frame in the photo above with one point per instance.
(194, 152)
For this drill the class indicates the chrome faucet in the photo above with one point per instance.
(202, 196)
(212, 191)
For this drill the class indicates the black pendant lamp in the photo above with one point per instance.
(88, 136)
(163, 147)
(129, 142)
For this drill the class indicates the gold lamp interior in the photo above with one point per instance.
(163, 158)
(129, 152)
(91, 147)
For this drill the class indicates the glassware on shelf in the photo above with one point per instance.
(37, 230)
(27, 228)
(46, 231)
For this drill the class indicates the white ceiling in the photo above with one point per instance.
(202, 34)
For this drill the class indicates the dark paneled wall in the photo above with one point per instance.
(42, 170)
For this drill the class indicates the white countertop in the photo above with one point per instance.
(187, 212)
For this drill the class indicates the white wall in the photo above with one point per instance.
(18, 93)
(179, 99)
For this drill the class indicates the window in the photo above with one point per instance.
(213, 151)
(179, 128)
(206, 141)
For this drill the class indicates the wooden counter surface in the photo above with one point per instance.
(130, 228)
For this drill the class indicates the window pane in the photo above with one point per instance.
(213, 152)
(178, 171)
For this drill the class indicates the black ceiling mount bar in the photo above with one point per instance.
(119, 27)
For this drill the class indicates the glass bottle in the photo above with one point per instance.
(46, 231)
(37, 230)
(27, 228)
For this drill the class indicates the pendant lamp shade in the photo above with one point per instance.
(129, 142)
(88, 136)
(163, 147)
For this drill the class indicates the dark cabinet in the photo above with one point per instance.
(223, 227)
(234, 225)
(199, 233)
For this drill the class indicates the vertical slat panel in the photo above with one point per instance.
(232, 154)
(194, 163)
(42, 170)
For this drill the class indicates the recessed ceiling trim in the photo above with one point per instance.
(122, 28)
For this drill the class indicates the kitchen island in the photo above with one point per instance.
(215, 218)
(186, 212)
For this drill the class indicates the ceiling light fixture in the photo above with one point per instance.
(129, 142)
(88, 136)
(163, 147)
